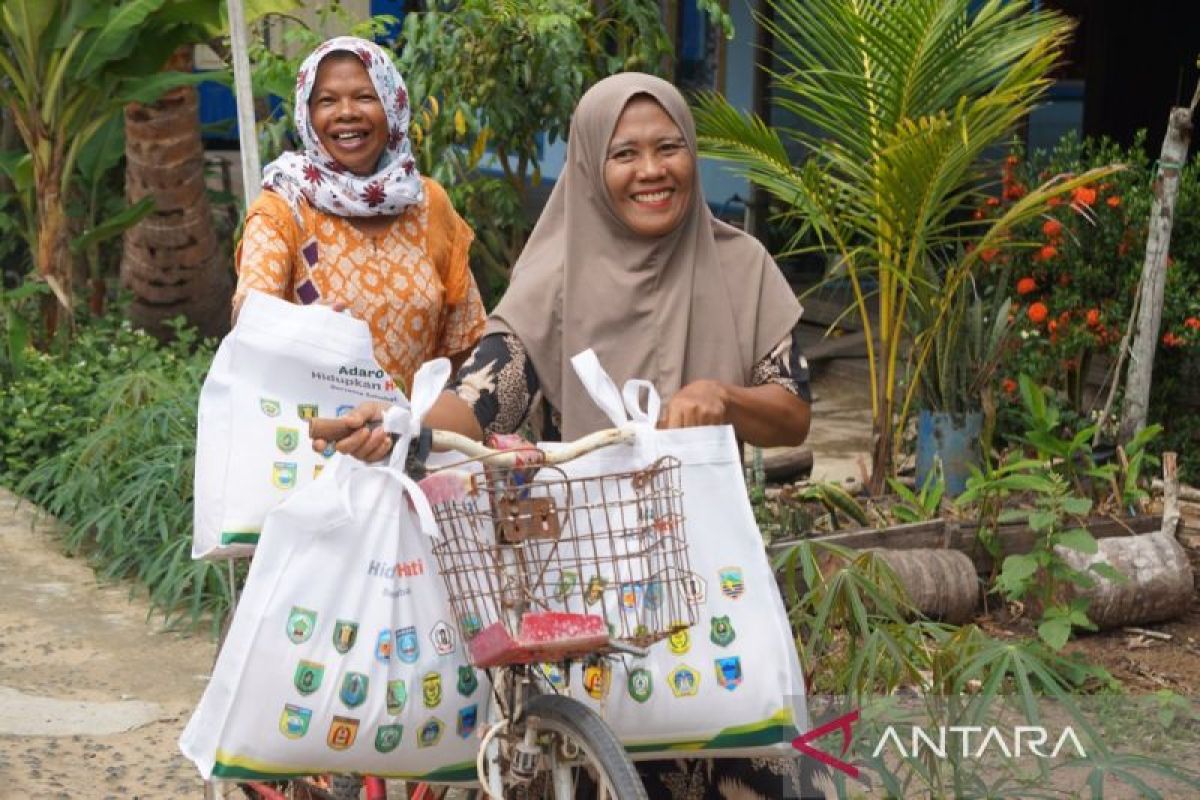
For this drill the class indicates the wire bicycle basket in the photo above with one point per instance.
(556, 568)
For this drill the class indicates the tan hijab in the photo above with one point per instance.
(704, 301)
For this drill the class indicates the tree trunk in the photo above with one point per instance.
(941, 584)
(1160, 585)
(1154, 273)
(172, 260)
(53, 257)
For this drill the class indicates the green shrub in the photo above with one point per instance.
(104, 439)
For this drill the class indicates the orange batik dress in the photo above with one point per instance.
(411, 283)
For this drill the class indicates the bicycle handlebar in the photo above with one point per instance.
(331, 430)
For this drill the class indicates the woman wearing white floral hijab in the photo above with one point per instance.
(349, 221)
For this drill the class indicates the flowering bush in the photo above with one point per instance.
(1074, 273)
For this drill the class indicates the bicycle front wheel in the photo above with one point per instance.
(582, 757)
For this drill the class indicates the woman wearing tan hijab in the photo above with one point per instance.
(627, 259)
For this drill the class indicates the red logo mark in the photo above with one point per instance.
(845, 724)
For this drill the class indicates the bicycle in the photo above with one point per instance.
(513, 551)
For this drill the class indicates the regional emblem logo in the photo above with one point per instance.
(269, 407)
(680, 640)
(286, 439)
(468, 718)
(468, 682)
(431, 689)
(732, 584)
(387, 737)
(640, 684)
(283, 474)
(293, 722)
(342, 733)
(345, 634)
(354, 689)
(595, 590)
(684, 681)
(343, 410)
(597, 677)
(430, 733)
(566, 584)
(306, 410)
(307, 677)
(470, 625)
(383, 645)
(442, 637)
(652, 598)
(695, 589)
(397, 696)
(729, 672)
(300, 624)
(722, 632)
(408, 649)
(317, 470)
(554, 675)
(631, 593)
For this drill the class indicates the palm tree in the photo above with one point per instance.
(898, 103)
(173, 261)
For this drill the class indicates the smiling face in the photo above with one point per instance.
(347, 115)
(648, 170)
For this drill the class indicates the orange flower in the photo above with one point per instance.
(1055, 201)
(1114, 201)
(1192, 323)
(1009, 386)
(1047, 252)
(1013, 191)
(1064, 317)
(1084, 196)
(992, 201)
(1052, 228)
(988, 254)
(1038, 313)
(1052, 326)
(1093, 317)
(979, 213)
(1012, 161)
(1026, 286)
(1171, 340)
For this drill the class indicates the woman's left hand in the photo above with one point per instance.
(703, 402)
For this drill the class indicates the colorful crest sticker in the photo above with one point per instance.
(387, 737)
(684, 681)
(269, 407)
(722, 632)
(729, 672)
(470, 626)
(430, 733)
(431, 689)
(597, 678)
(293, 722)
(286, 439)
(631, 595)
(641, 684)
(283, 474)
(317, 470)
(652, 597)
(695, 589)
(468, 719)
(442, 637)
(343, 410)
(408, 649)
(468, 682)
(680, 640)
(345, 634)
(554, 675)
(306, 410)
(354, 689)
(300, 624)
(342, 733)
(732, 584)
(383, 645)
(397, 696)
(566, 584)
(595, 590)
(308, 676)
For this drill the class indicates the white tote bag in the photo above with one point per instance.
(343, 655)
(731, 685)
(281, 365)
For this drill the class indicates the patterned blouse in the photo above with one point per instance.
(411, 282)
(499, 383)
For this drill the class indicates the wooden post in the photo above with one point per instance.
(1154, 270)
(244, 95)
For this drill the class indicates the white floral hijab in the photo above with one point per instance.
(316, 177)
